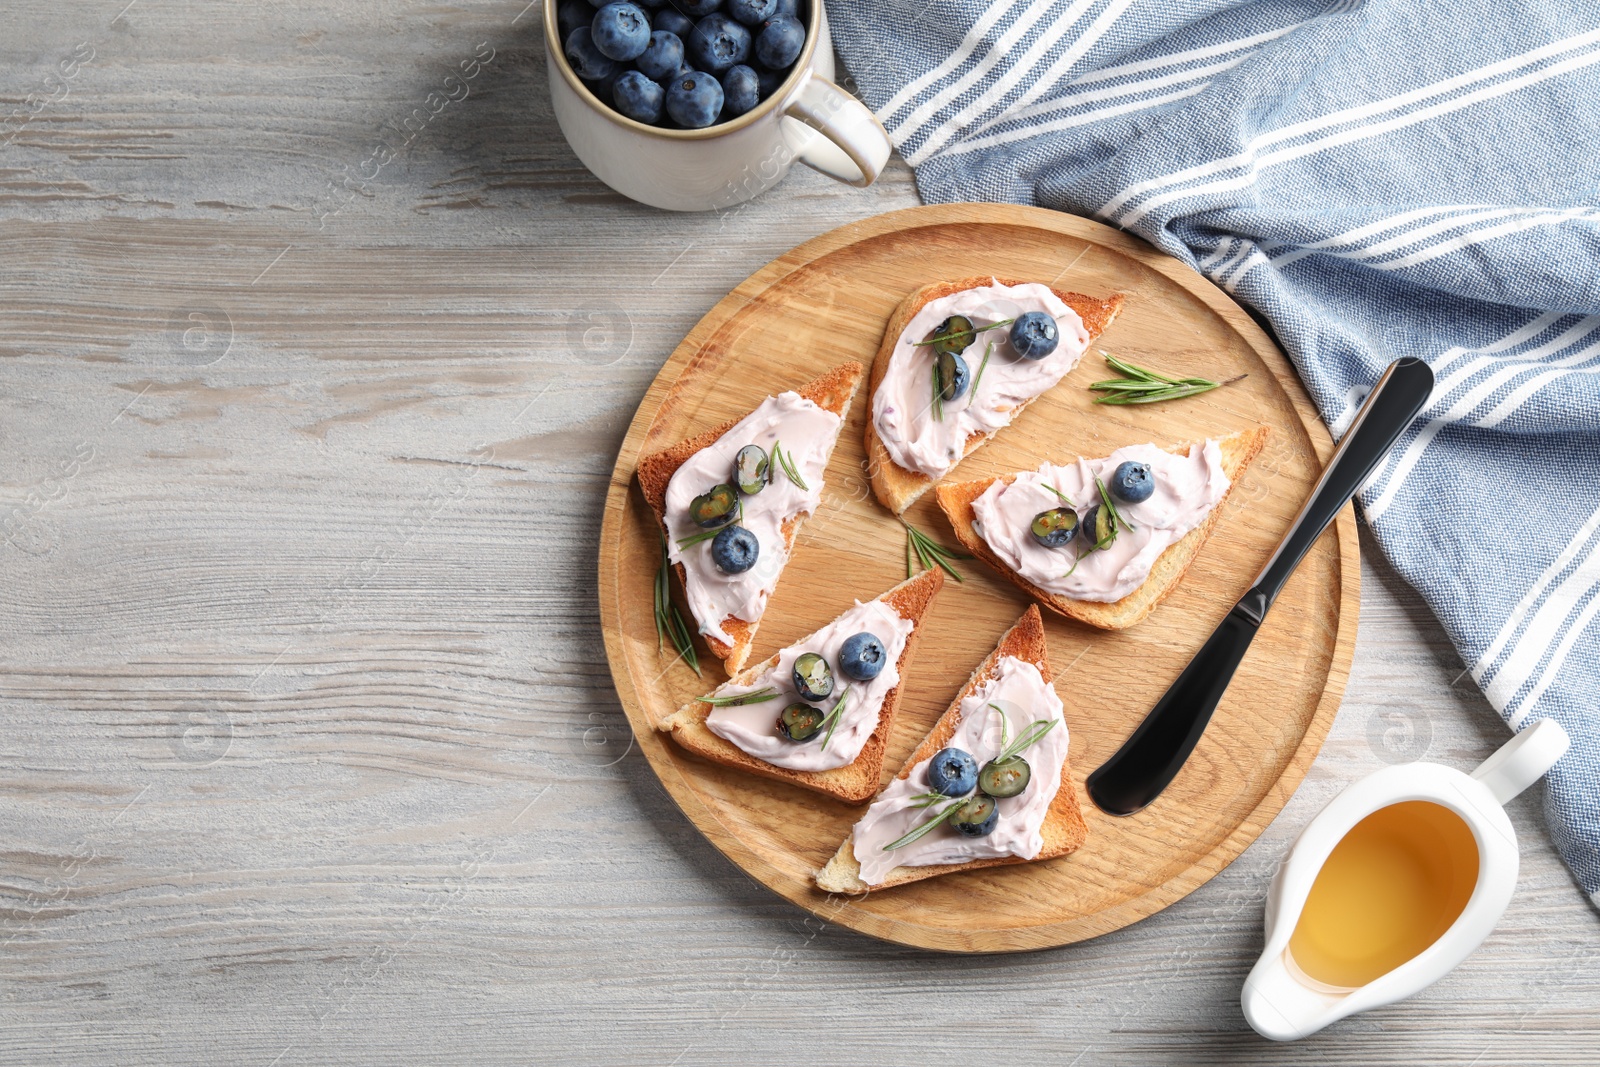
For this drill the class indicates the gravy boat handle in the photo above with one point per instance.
(1523, 760)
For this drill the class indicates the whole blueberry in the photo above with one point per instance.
(780, 41)
(952, 772)
(770, 79)
(664, 57)
(588, 62)
(638, 97)
(1034, 335)
(717, 43)
(697, 9)
(1132, 482)
(734, 550)
(621, 31)
(694, 100)
(570, 14)
(752, 12)
(862, 657)
(673, 21)
(741, 89)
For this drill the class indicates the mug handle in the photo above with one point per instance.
(1523, 760)
(853, 147)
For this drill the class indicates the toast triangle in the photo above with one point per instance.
(852, 783)
(956, 501)
(897, 487)
(833, 391)
(1064, 829)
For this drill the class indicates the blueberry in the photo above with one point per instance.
(1054, 528)
(741, 89)
(694, 100)
(663, 58)
(1132, 482)
(953, 375)
(752, 12)
(697, 9)
(1096, 525)
(770, 79)
(637, 97)
(977, 817)
(717, 43)
(621, 31)
(952, 772)
(570, 14)
(734, 550)
(780, 41)
(587, 61)
(811, 677)
(1034, 335)
(672, 20)
(862, 657)
(787, 7)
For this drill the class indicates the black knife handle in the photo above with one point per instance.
(1388, 410)
(1152, 756)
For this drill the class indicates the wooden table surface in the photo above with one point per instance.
(310, 751)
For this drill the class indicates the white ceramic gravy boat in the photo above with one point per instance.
(1284, 1004)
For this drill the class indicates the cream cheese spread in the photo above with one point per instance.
(753, 727)
(1021, 693)
(807, 433)
(902, 407)
(1186, 489)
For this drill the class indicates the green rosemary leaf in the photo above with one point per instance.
(1140, 386)
(794, 475)
(774, 461)
(910, 570)
(757, 696)
(832, 718)
(926, 828)
(1065, 499)
(1111, 507)
(679, 632)
(938, 391)
(1076, 560)
(1005, 726)
(953, 334)
(931, 553)
(1029, 737)
(972, 394)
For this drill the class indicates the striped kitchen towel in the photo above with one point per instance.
(1378, 178)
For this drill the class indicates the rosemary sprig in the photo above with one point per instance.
(784, 460)
(1027, 739)
(938, 392)
(755, 696)
(930, 552)
(953, 334)
(926, 828)
(832, 718)
(1065, 499)
(1140, 386)
(669, 621)
(972, 394)
(1117, 521)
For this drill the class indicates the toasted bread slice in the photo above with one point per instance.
(896, 486)
(1064, 829)
(852, 783)
(956, 501)
(832, 391)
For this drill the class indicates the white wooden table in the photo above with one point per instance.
(310, 751)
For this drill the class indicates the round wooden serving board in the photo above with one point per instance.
(828, 301)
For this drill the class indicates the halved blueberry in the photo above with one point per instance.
(800, 722)
(1034, 335)
(1005, 778)
(1133, 482)
(1054, 528)
(952, 772)
(977, 817)
(953, 375)
(812, 677)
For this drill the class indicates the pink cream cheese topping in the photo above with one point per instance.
(754, 727)
(902, 407)
(1018, 690)
(1186, 489)
(807, 433)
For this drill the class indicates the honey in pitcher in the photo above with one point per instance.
(1388, 890)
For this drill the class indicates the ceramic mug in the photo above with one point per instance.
(808, 118)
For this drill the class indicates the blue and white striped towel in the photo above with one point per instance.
(1378, 178)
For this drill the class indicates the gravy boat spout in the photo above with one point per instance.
(1286, 997)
